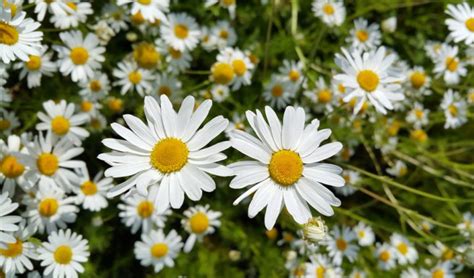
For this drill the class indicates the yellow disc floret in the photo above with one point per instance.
(199, 223)
(13, 250)
(8, 34)
(169, 155)
(181, 31)
(47, 164)
(60, 125)
(159, 250)
(368, 80)
(89, 188)
(79, 55)
(63, 254)
(222, 73)
(34, 63)
(145, 209)
(10, 167)
(286, 167)
(48, 207)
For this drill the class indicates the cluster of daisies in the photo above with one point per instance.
(163, 160)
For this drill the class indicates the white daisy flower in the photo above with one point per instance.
(19, 37)
(224, 34)
(146, 55)
(449, 65)
(366, 76)
(222, 73)
(418, 115)
(433, 49)
(49, 210)
(115, 17)
(441, 270)
(410, 273)
(321, 267)
(230, 5)
(8, 121)
(157, 250)
(208, 42)
(241, 65)
(63, 254)
(178, 61)
(386, 256)
(292, 72)
(132, 78)
(139, 212)
(441, 251)
(151, 10)
(96, 88)
(181, 32)
(340, 244)
(169, 151)
(418, 81)
(91, 192)
(461, 24)
(8, 223)
(52, 7)
(199, 222)
(455, 109)
(321, 95)
(61, 122)
(365, 234)
(89, 108)
(168, 85)
(399, 169)
(37, 66)
(287, 169)
(11, 169)
(466, 227)
(16, 257)
(331, 12)
(404, 250)
(80, 56)
(351, 178)
(278, 92)
(363, 36)
(97, 122)
(75, 12)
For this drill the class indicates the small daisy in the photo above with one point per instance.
(399, 169)
(91, 192)
(241, 65)
(419, 81)
(219, 93)
(410, 273)
(386, 256)
(75, 12)
(418, 115)
(331, 12)
(97, 123)
(404, 250)
(366, 76)
(61, 122)
(224, 34)
(364, 36)
(199, 222)
(222, 73)
(96, 88)
(321, 267)
(146, 55)
(8, 122)
(139, 212)
(292, 72)
(178, 61)
(52, 7)
(208, 42)
(278, 92)
(115, 17)
(132, 78)
(89, 108)
(157, 250)
(168, 85)
(49, 210)
(181, 32)
(8, 223)
(364, 234)
(455, 109)
(169, 151)
(433, 49)
(287, 169)
(17, 256)
(351, 178)
(441, 251)
(461, 24)
(340, 244)
(151, 10)
(441, 270)
(80, 56)
(322, 96)
(19, 37)
(449, 65)
(230, 5)
(11, 169)
(63, 254)
(466, 227)
(37, 66)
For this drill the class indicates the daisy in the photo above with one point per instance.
(132, 78)
(441, 251)
(366, 77)
(386, 256)
(399, 169)
(441, 270)
(8, 223)
(219, 93)
(115, 17)
(364, 36)
(449, 65)
(224, 35)
(63, 254)
(466, 227)
(292, 72)
(208, 42)
(351, 178)
(321, 95)
(178, 61)
(80, 56)
(11, 169)
(8, 122)
(331, 12)
(410, 273)
(151, 10)
(97, 122)
(91, 192)
(96, 88)
(433, 49)
(37, 66)
(75, 12)
(455, 109)
(61, 122)
(461, 24)
(17, 256)
(169, 151)
(18, 36)
(146, 55)
(418, 115)
(158, 249)
(199, 222)
(49, 210)
(418, 81)
(89, 108)
(404, 250)
(168, 85)
(320, 267)
(277, 92)
(114, 104)
(230, 5)
(286, 169)
(52, 7)
(241, 65)
(222, 73)
(340, 244)
(139, 212)
(181, 32)
(365, 234)
(103, 31)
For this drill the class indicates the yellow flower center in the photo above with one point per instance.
(341, 244)
(368, 80)
(144, 2)
(60, 125)
(286, 167)
(239, 67)
(417, 79)
(419, 135)
(452, 64)
(169, 155)
(222, 73)
(164, 90)
(48, 207)
(175, 54)
(34, 63)
(223, 34)
(453, 110)
(146, 55)
(10, 167)
(419, 113)
(394, 128)
(470, 24)
(447, 255)
(277, 91)
(362, 35)
(63, 254)
(324, 96)
(13, 250)
(95, 86)
(12, 6)
(181, 31)
(47, 164)
(145, 209)
(115, 104)
(159, 250)
(79, 55)
(320, 270)
(72, 5)
(89, 188)
(228, 2)
(294, 75)
(95, 123)
(361, 234)
(402, 248)
(137, 18)
(8, 34)
(4, 124)
(341, 88)
(438, 273)
(199, 223)
(328, 9)
(272, 234)
(135, 77)
(384, 256)
(86, 106)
